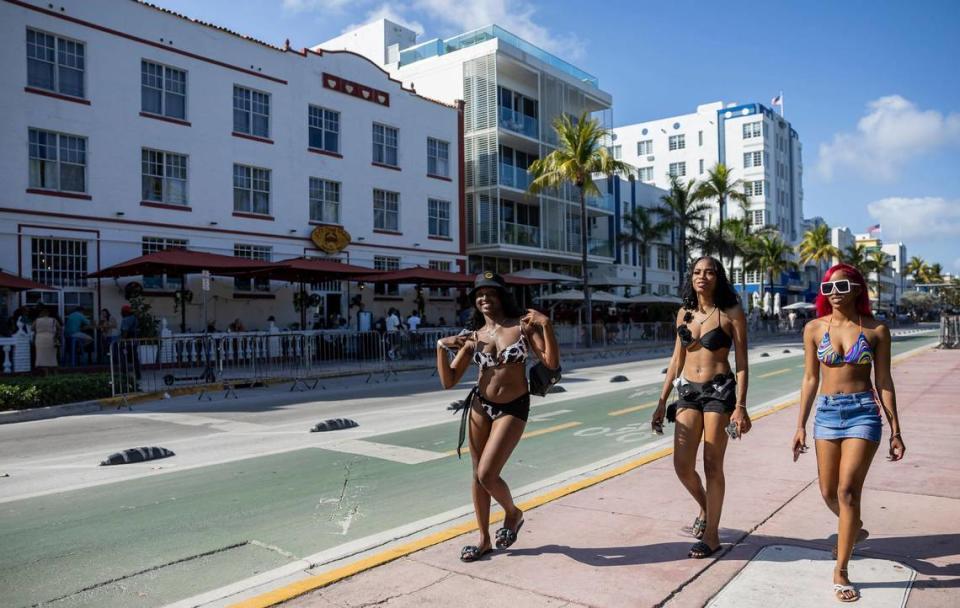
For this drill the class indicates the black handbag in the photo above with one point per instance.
(542, 378)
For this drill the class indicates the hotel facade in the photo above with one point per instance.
(130, 129)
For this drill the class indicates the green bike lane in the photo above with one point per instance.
(151, 541)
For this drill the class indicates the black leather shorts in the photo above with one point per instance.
(719, 395)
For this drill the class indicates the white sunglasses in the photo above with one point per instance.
(841, 286)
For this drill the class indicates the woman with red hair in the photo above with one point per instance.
(840, 348)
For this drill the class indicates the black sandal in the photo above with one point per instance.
(506, 537)
(701, 550)
(472, 553)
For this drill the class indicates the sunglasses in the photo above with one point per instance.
(829, 287)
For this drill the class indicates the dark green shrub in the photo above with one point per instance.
(26, 392)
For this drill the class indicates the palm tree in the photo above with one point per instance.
(816, 247)
(679, 209)
(644, 231)
(876, 262)
(916, 267)
(773, 256)
(855, 255)
(935, 273)
(579, 155)
(721, 186)
(744, 241)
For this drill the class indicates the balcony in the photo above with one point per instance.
(604, 201)
(514, 177)
(600, 247)
(519, 234)
(519, 123)
(436, 47)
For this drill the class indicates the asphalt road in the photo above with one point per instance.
(250, 490)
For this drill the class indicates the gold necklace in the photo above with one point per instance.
(704, 320)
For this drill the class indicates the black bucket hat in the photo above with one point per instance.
(488, 279)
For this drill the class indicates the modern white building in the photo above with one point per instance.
(758, 145)
(627, 269)
(512, 93)
(129, 128)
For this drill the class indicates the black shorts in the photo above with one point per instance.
(719, 395)
(518, 408)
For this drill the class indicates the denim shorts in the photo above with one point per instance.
(844, 416)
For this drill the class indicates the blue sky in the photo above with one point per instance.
(871, 86)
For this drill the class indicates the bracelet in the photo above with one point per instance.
(894, 436)
(743, 405)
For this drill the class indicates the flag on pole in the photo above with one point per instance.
(777, 101)
(874, 228)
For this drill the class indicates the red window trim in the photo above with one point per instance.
(325, 152)
(440, 238)
(432, 176)
(166, 206)
(84, 197)
(383, 166)
(390, 232)
(47, 93)
(252, 137)
(253, 216)
(175, 121)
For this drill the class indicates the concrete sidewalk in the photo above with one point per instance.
(623, 542)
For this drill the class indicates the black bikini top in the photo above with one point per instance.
(715, 339)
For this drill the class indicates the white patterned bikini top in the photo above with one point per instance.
(515, 353)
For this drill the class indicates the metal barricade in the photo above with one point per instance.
(949, 331)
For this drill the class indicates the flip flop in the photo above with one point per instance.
(506, 537)
(472, 553)
(839, 591)
(701, 550)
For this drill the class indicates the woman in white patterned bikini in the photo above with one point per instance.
(497, 339)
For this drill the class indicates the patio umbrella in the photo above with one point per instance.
(181, 262)
(670, 300)
(544, 275)
(418, 275)
(574, 295)
(12, 282)
(776, 304)
(645, 298)
(767, 305)
(799, 306)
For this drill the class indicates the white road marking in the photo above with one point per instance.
(548, 416)
(384, 451)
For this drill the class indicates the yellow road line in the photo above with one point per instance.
(288, 592)
(537, 433)
(635, 408)
(776, 373)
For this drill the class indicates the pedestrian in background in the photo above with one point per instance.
(46, 331)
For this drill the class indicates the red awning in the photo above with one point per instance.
(421, 276)
(181, 262)
(309, 270)
(12, 282)
(523, 281)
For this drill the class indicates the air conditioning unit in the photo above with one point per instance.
(650, 158)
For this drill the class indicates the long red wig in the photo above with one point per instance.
(863, 300)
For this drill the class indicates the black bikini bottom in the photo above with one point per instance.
(717, 395)
(518, 408)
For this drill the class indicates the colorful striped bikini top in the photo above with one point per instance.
(860, 354)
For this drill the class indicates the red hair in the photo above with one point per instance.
(863, 299)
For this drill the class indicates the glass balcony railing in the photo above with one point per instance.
(604, 201)
(600, 247)
(432, 48)
(518, 122)
(519, 234)
(514, 177)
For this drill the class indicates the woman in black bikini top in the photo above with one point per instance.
(710, 395)
(498, 406)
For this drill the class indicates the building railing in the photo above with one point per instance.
(15, 353)
(515, 177)
(604, 201)
(949, 331)
(518, 122)
(519, 234)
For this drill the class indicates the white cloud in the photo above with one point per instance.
(302, 6)
(393, 12)
(925, 218)
(892, 132)
(956, 264)
(516, 17)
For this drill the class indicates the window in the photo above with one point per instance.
(753, 129)
(677, 142)
(59, 262)
(163, 90)
(701, 166)
(646, 174)
(438, 218)
(324, 201)
(438, 157)
(645, 147)
(700, 138)
(58, 161)
(385, 145)
(153, 244)
(251, 112)
(678, 169)
(616, 152)
(252, 252)
(443, 292)
(520, 224)
(251, 190)
(752, 159)
(753, 188)
(164, 177)
(758, 217)
(55, 64)
(386, 210)
(382, 262)
(663, 258)
(753, 276)
(323, 129)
